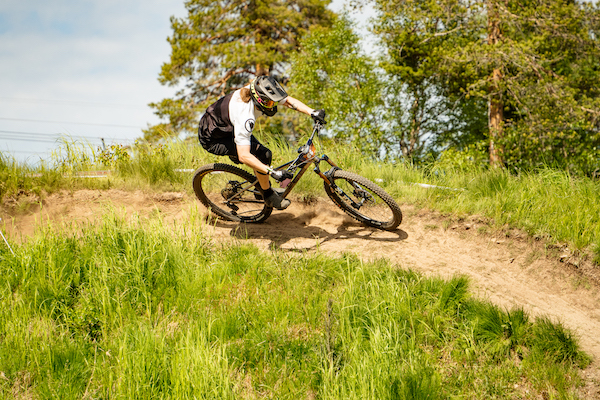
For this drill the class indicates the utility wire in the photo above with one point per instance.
(70, 102)
(28, 139)
(24, 152)
(72, 123)
(46, 136)
(33, 135)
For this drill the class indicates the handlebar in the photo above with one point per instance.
(306, 152)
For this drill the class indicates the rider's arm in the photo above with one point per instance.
(250, 160)
(296, 104)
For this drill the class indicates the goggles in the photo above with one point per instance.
(266, 103)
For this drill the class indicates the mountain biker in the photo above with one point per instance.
(226, 127)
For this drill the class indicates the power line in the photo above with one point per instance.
(71, 102)
(39, 135)
(31, 133)
(24, 152)
(72, 123)
(28, 139)
(46, 137)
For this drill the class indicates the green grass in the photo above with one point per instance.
(136, 308)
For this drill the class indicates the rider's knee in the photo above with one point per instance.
(264, 155)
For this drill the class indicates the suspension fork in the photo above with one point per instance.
(325, 176)
(328, 177)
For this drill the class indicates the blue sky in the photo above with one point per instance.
(84, 68)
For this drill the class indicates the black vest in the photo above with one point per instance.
(215, 123)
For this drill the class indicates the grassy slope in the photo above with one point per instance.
(137, 309)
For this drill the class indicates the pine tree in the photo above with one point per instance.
(221, 45)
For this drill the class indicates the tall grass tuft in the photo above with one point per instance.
(17, 179)
(557, 343)
(504, 332)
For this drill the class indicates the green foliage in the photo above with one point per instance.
(541, 66)
(138, 308)
(72, 156)
(10, 176)
(426, 110)
(21, 180)
(348, 89)
(504, 332)
(157, 165)
(151, 163)
(472, 157)
(219, 46)
(114, 156)
(557, 343)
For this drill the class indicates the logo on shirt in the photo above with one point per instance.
(249, 125)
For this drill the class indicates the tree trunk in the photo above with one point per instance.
(496, 118)
(262, 69)
(496, 106)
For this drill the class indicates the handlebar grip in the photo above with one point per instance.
(288, 174)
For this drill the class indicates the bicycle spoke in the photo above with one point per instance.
(363, 200)
(230, 192)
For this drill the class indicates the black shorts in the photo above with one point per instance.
(227, 147)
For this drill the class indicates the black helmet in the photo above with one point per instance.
(266, 91)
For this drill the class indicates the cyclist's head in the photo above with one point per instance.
(266, 92)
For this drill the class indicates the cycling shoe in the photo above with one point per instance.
(277, 202)
(279, 191)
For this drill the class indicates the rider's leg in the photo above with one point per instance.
(263, 180)
(265, 156)
(227, 147)
(272, 197)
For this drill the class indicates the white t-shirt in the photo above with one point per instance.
(243, 117)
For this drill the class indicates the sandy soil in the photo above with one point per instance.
(507, 267)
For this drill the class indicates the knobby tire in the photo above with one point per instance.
(379, 209)
(213, 183)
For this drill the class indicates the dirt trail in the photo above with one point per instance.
(509, 271)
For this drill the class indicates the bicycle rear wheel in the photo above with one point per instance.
(230, 192)
(363, 200)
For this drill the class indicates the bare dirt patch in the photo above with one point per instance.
(506, 267)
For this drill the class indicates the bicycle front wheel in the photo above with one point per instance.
(230, 192)
(363, 200)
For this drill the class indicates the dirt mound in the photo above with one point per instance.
(508, 268)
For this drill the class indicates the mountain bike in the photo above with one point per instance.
(234, 195)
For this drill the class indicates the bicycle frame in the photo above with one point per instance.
(307, 156)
